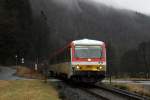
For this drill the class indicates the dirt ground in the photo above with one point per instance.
(14, 87)
(27, 90)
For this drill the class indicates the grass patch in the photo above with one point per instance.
(28, 73)
(27, 90)
(60, 90)
(123, 87)
(62, 95)
(139, 89)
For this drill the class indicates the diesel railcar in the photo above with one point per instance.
(81, 60)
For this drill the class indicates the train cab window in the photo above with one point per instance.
(88, 51)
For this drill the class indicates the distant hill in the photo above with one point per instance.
(67, 20)
(74, 19)
(51, 24)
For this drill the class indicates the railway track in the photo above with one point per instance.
(107, 93)
(128, 94)
(97, 95)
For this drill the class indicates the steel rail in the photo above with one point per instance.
(93, 90)
(94, 94)
(125, 93)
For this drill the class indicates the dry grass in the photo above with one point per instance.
(27, 90)
(28, 73)
(137, 88)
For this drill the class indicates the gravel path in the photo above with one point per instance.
(7, 73)
(67, 92)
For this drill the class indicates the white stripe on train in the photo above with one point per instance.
(88, 63)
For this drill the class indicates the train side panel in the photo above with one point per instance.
(64, 62)
(61, 69)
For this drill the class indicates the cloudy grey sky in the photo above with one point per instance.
(142, 6)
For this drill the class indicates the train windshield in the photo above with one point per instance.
(88, 52)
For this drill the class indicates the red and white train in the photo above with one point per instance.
(81, 60)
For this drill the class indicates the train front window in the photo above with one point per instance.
(88, 52)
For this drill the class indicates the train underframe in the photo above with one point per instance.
(88, 76)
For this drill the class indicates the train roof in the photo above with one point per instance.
(88, 42)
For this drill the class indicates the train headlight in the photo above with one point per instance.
(78, 67)
(100, 67)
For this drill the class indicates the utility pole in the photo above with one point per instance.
(16, 57)
(22, 61)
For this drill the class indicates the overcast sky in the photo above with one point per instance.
(142, 6)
